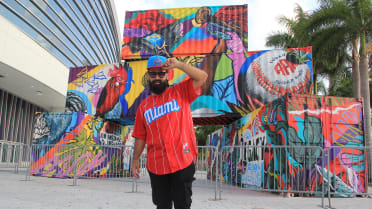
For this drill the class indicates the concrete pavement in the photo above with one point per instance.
(53, 193)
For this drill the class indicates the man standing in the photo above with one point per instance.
(164, 122)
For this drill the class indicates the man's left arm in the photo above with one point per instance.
(198, 76)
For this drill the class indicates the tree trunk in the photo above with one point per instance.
(366, 96)
(355, 70)
(365, 91)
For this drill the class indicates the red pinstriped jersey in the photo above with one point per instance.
(165, 123)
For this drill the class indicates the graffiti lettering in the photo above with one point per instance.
(110, 139)
(83, 78)
(253, 174)
(273, 59)
(254, 147)
(349, 135)
(348, 127)
(300, 76)
(41, 128)
(251, 150)
(284, 67)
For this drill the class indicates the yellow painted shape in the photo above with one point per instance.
(253, 115)
(179, 13)
(139, 70)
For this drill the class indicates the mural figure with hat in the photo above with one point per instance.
(164, 122)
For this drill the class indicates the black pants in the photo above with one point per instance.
(174, 187)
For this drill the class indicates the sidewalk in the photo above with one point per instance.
(52, 193)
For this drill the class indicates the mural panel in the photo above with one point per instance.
(335, 123)
(330, 123)
(184, 31)
(102, 90)
(57, 135)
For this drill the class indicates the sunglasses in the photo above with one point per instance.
(160, 74)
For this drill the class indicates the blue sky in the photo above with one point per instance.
(262, 14)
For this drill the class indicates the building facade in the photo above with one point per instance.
(40, 41)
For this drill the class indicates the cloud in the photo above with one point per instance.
(263, 19)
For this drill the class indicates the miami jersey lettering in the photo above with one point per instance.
(154, 113)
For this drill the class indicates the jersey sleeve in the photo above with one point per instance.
(139, 129)
(188, 88)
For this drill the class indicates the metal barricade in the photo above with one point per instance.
(109, 162)
(206, 168)
(274, 168)
(13, 156)
(347, 172)
(295, 170)
(84, 161)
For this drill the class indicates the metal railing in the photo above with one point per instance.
(271, 169)
(288, 170)
(83, 161)
(347, 173)
(13, 156)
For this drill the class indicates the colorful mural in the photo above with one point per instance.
(238, 83)
(228, 155)
(63, 141)
(214, 139)
(100, 90)
(336, 123)
(251, 150)
(184, 31)
(330, 123)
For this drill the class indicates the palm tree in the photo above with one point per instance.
(295, 36)
(348, 24)
(333, 25)
(342, 88)
(288, 39)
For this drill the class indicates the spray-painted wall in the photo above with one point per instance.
(228, 156)
(214, 39)
(237, 83)
(56, 136)
(331, 122)
(298, 120)
(101, 90)
(214, 140)
(184, 31)
(226, 136)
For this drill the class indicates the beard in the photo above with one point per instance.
(158, 88)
